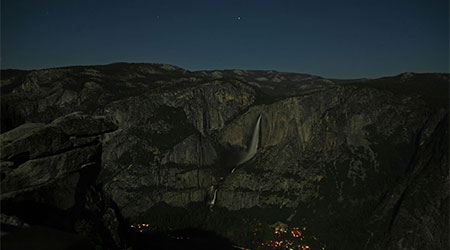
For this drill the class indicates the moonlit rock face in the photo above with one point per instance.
(253, 144)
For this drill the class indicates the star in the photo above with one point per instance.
(239, 18)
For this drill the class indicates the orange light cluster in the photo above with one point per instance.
(141, 227)
(283, 240)
(272, 243)
(296, 233)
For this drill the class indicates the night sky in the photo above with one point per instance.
(339, 39)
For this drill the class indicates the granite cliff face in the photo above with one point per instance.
(362, 164)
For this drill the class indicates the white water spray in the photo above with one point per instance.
(253, 144)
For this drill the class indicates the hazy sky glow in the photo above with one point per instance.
(343, 39)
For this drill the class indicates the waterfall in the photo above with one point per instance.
(213, 201)
(253, 144)
(214, 198)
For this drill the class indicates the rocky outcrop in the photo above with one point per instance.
(48, 179)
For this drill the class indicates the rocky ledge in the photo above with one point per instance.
(49, 186)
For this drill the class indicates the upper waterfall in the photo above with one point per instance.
(253, 143)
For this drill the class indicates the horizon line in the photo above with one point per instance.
(221, 69)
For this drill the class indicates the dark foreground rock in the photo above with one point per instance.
(44, 238)
(48, 189)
